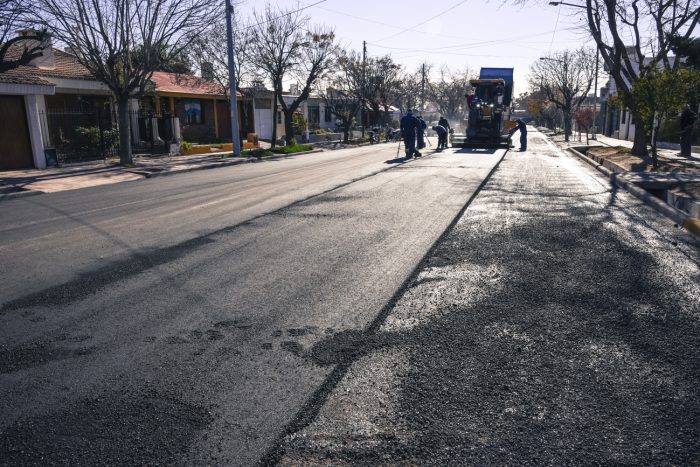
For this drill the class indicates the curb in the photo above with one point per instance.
(214, 165)
(20, 194)
(279, 156)
(681, 218)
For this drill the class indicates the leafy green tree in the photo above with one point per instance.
(660, 94)
(688, 48)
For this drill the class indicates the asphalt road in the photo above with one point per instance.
(170, 320)
(557, 323)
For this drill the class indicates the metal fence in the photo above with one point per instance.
(79, 135)
(152, 133)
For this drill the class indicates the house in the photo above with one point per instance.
(32, 98)
(619, 123)
(200, 105)
(55, 106)
(313, 110)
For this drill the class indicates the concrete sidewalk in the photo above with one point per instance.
(34, 181)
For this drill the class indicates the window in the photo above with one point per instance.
(327, 116)
(193, 111)
(624, 116)
(279, 117)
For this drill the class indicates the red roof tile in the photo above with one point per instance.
(22, 75)
(65, 65)
(186, 84)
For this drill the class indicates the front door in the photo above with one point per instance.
(16, 150)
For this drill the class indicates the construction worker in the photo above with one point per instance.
(446, 125)
(687, 121)
(523, 133)
(442, 136)
(420, 132)
(409, 129)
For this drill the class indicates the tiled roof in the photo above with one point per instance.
(22, 76)
(66, 66)
(186, 84)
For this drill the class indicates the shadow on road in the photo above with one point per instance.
(581, 354)
(477, 150)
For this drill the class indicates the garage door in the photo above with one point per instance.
(15, 149)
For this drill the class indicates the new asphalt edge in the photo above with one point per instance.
(148, 174)
(681, 218)
(308, 412)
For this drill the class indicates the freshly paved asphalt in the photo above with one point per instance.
(557, 323)
(169, 320)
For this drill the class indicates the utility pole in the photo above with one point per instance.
(422, 89)
(364, 86)
(233, 98)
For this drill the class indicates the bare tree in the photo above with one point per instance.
(565, 78)
(632, 36)
(210, 50)
(408, 91)
(447, 93)
(104, 34)
(18, 50)
(342, 96)
(276, 49)
(317, 50)
(379, 89)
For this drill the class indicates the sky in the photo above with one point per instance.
(456, 33)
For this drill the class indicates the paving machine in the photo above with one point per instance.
(489, 110)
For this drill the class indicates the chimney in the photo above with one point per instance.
(207, 70)
(46, 59)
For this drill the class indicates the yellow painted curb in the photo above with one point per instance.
(197, 150)
(692, 224)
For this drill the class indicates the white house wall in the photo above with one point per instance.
(34, 125)
(78, 86)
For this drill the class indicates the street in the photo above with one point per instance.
(167, 320)
(470, 306)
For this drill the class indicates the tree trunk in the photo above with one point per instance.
(274, 120)
(288, 128)
(346, 130)
(124, 123)
(639, 148)
(567, 126)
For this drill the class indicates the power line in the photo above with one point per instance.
(424, 22)
(555, 30)
(286, 14)
(467, 45)
(369, 20)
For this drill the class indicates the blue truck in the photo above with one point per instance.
(489, 109)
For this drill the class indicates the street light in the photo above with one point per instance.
(595, 84)
(564, 3)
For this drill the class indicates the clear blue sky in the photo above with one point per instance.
(457, 33)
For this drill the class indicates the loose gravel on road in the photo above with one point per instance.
(556, 323)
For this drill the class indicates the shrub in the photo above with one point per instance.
(88, 138)
(292, 148)
(185, 146)
(257, 152)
